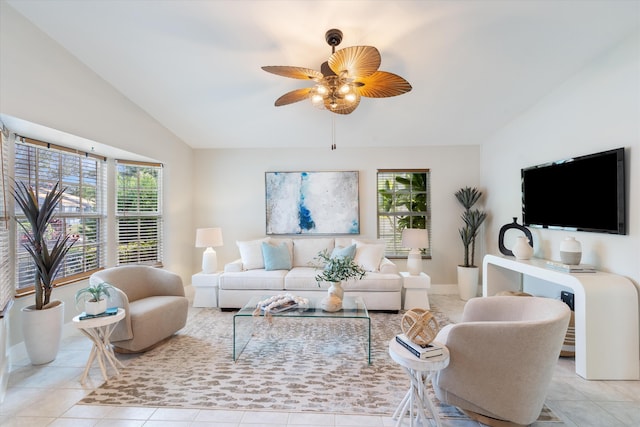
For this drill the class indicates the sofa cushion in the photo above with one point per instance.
(305, 250)
(340, 252)
(276, 257)
(368, 256)
(254, 279)
(375, 282)
(303, 278)
(251, 253)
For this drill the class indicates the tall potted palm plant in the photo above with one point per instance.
(42, 322)
(468, 272)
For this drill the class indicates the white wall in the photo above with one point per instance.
(229, 188)
(42, 83)
(596, 110)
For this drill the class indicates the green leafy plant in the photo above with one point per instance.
(37, 231)
(338, 269)
(93, 293)
(473, 219)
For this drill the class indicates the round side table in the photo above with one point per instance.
(420, 372)
(98, 330)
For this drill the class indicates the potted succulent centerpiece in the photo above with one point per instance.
(337, 269)
(94, 298)
(42, 322)
(473, 219)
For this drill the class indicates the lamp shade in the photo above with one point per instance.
(208, 237)
(415, 238)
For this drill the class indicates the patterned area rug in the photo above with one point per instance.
(288, 365)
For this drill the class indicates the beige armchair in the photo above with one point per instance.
(503, 354)
(154, 304)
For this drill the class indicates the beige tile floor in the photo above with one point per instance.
(47, 396)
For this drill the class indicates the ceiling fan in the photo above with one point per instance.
(347, 75)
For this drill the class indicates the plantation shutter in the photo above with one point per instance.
(6, 272)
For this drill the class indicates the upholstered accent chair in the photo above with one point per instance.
(154, 303)
(503, 354)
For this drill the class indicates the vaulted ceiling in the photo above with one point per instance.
(195, 65)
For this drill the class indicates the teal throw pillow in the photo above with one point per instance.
(276, 257)
(348, 252)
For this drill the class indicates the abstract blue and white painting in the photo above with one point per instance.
(312, 202)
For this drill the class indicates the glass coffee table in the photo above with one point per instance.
(243, 320)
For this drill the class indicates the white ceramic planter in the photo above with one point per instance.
(42, 331)
(468, 282)
(95, 307)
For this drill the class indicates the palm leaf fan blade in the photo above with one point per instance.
(382, 84)
(357, 61)
(293, 96)
(293, 72)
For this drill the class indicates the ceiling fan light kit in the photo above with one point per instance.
(348, 75)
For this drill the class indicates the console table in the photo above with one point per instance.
(606, 313)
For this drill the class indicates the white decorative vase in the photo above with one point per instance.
(468, 282)
(95, 307)
(570, 251)
(522, 249)
(333, 301)
(42, 331)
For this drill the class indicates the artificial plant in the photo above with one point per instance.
(39, 217)
(473, 219)
(338, 268)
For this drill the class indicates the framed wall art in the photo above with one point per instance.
(312, 203)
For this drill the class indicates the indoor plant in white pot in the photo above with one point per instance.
(473, 219)
(94, 298)
(42, 322)
(337, 269)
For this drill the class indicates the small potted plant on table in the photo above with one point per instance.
(337, 269)
(94, 297)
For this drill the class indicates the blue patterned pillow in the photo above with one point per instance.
(276, 257)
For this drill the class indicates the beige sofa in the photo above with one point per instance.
(154, 302)
(255, 274)
(503, 354)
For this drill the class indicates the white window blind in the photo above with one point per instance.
(82, 210)
(6, 272)
(139, 213)
(404, 201)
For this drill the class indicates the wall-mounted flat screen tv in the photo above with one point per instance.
(585, 193)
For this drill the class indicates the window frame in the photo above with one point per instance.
(32, 173)
(395, 208)
(153, 217)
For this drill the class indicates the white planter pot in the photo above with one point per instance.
(468, 282)
(42, 331)
(95, 307)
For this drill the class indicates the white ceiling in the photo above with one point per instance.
(195, 65)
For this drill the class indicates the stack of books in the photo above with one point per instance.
(568, 268)
(420, 351)
(109, 312)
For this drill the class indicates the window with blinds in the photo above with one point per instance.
(6, 272)
(139, 213)
(404, 201)
(82, 210)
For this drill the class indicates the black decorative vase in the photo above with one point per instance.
(513, 225)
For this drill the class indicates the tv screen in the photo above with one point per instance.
(585, 193)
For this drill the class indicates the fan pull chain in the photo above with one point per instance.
(333, 133)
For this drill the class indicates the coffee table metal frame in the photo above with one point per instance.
(243, 320)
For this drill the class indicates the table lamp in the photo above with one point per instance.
(208, 238)
(415, 239)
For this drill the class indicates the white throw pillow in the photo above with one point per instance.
(368, 256)
(251, 253)
(305, 250)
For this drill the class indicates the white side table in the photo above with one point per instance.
(98, 330)
(420, 372)
(206, 289)
(415, 290)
